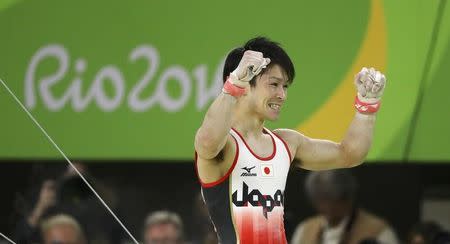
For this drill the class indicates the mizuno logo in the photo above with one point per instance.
(248, 171)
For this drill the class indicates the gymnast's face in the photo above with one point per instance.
(268, 95)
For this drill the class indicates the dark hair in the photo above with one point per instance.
(336, 184)
(431, 232)
(369, 241)
(269, 49)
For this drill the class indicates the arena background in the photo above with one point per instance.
(123, 87)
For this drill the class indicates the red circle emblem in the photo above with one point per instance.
(267, 170)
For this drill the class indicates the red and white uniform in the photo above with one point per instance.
(247, 204)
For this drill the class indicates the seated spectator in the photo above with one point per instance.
(163, 227)
(68, 194)
(62, 229)
(339, 219)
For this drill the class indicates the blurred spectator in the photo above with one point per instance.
(47, 199)
(27, 229)
(202, 228)
(62, 229)
(68, 194)
(163, 227)
(340, 220)
(428, 233)
(370, 241)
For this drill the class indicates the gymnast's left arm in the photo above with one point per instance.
(319, 154)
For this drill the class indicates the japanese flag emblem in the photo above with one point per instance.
(267, 170)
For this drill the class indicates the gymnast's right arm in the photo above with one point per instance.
(212, 135)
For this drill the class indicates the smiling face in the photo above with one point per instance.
(267, 97)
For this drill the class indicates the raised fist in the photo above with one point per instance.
(251, 64)
(370, 84)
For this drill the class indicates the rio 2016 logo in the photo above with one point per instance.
(96, 92)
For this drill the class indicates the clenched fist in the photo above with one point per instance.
(251, 64)
(370, 84)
